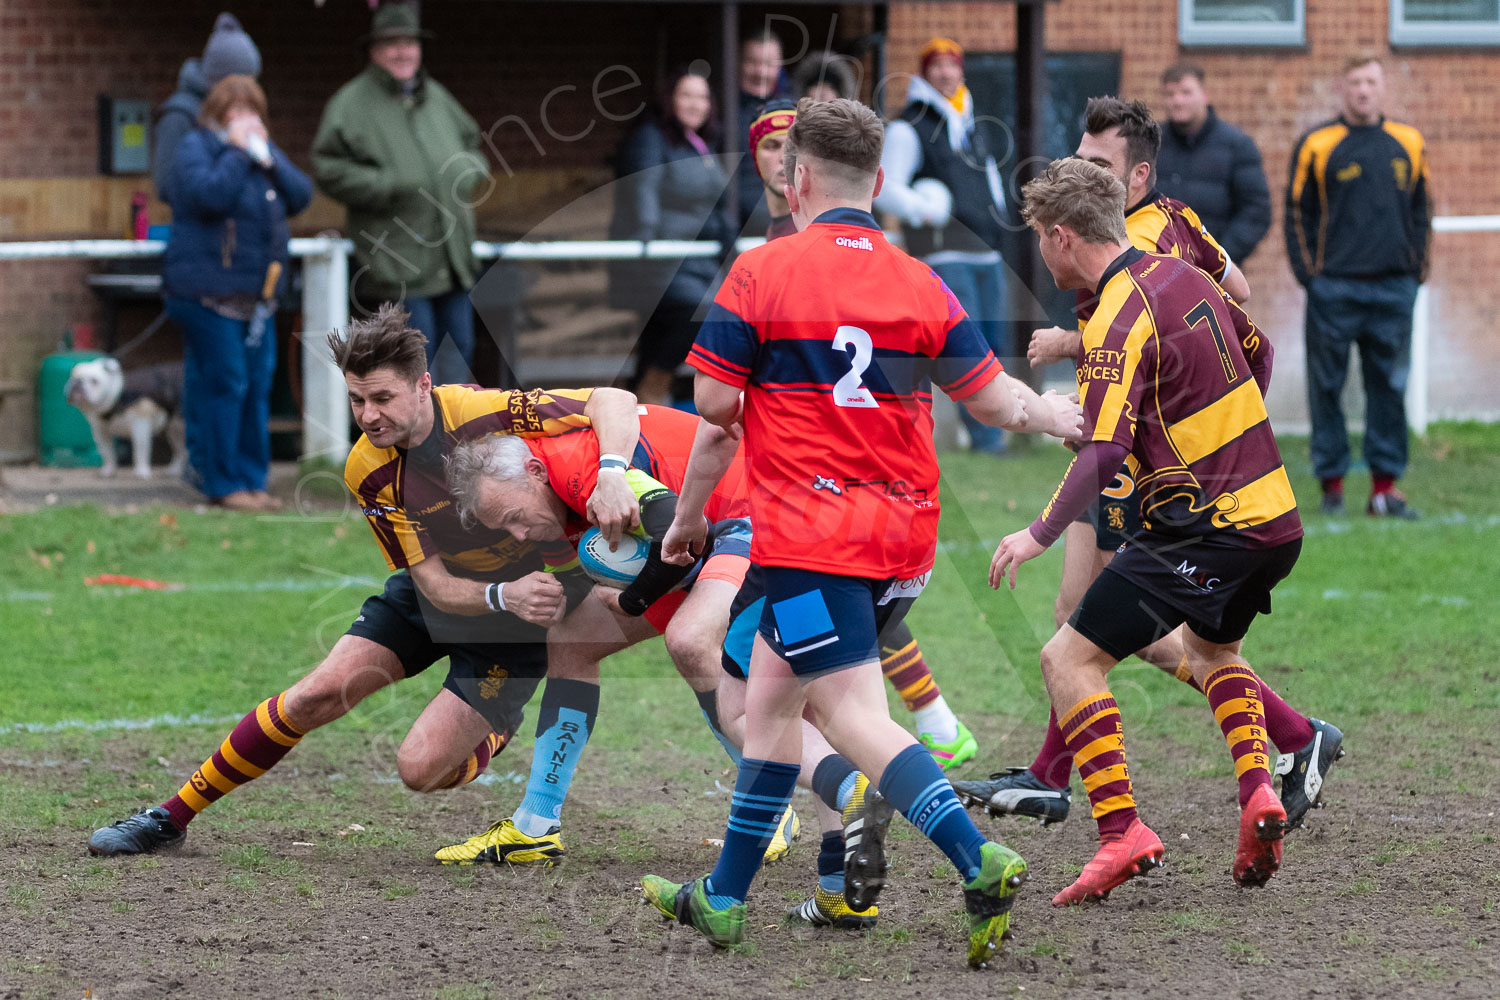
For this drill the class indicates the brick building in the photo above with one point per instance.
(529, 72)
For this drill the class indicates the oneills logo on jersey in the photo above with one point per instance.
(434, 508)
(862, 243)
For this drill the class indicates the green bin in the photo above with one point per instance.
(65, 439)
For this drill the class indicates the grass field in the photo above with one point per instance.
(113, 696)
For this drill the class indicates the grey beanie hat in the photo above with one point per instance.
(229, 50)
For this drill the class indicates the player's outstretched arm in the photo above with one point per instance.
(1010, 403)
(1053, 343)
(536, 597)
(616, 423)
(713, 451)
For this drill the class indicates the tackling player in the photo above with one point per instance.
(938, 729)
(444, 598)
(834, 335)
(1165, 380)
(1122, 138)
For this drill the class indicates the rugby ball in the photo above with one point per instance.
(612, 569)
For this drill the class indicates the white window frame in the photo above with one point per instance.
(1241, 33)
(1404, 32)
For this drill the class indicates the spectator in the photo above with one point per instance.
(761, 60)
(232, 191)
(670, 188)
(1211, 166)
(229, 51)
(402, 154)
(825, 77)
(1358, 223)
(942, 184)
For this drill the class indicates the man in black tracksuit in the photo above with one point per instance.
(1358, 224)
(1211, 166)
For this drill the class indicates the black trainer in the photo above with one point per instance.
(1016, 791)
(1333, 502)
(1391, 503)
(142, 833)
(1302, 773)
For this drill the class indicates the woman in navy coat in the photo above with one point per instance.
(232, 192)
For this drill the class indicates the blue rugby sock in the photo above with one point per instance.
(833, 781)
(708, 703)
(761, 794)
(915, 785)
(562, 730)
(831, 862)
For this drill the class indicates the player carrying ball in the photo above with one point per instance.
(835, 336)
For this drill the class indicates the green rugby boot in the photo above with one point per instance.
(988, 899)
(688, 905)
(956, 751)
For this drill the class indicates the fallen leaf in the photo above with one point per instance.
(164, 762)
(167, 520)
(714, 842)
(91, 548)
(224, 544)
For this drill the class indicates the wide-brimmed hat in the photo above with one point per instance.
(394, 20)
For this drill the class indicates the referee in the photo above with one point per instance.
(1358, 225)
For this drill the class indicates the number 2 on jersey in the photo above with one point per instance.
(850, 390)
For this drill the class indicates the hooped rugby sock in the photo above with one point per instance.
(833, 781)
(762, 792)
(1288, 728)
(831, 862)
(254, 746)
(563, 726)
(915, 785)
(1096, 737)
(1234, 695)
(903, 665)
(708, 703)
(477, 761)
(1184, 673)
(1054, 762)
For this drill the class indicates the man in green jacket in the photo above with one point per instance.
(402, 155)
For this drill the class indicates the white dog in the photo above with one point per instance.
(138, 404)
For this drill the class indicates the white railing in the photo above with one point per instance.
(325, 305)
(1418, 400)
(325, 302)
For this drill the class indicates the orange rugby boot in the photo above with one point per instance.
(1262, 825)
(1118, 861)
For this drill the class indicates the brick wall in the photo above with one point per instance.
(1276, 95)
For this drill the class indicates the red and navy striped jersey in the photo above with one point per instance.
(404, 492)
(666, 440)
(836, 337)
(1165, 373)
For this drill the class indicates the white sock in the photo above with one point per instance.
(530, 823)
(937, 720)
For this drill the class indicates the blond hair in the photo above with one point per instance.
(1083, 196)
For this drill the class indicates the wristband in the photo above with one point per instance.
(613, 463)
(494, 597)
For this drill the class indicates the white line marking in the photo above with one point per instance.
(106, 725)
(287, 585)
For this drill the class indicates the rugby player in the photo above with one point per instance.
(1122, 138)
(483, 599)
(949, 741)
(843, 496)
(1166, 380)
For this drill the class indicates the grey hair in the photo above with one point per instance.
(498, 458)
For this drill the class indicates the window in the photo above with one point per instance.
(1445, 22)
(1240, 22)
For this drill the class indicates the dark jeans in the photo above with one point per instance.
(226, 391)
(449, 314)
(1374, 313)
(980, 289)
